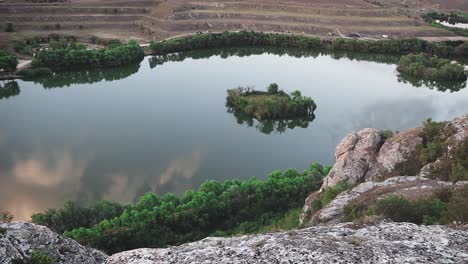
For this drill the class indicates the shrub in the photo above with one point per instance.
(385, 134)
(457, 207)
(6, 217)
(8, 63)
(399, 209)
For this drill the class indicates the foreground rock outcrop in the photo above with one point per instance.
(380, 243)
(19, 239)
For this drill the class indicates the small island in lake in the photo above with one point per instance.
(425, 67)
(273, 104)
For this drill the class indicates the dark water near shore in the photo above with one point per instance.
(117, 133)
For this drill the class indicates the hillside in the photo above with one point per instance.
(146, 20)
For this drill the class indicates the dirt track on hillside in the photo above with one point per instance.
(146, 20)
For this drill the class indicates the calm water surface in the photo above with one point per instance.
(118, 133)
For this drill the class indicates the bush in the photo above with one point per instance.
(8, 63)
(6, 217)
(399, 209)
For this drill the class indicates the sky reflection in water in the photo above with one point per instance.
(115, 134)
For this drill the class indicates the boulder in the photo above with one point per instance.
(19, 239)
(353, 156)
(341, 243)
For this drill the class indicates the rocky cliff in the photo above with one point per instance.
(370, 161)
(19, 240)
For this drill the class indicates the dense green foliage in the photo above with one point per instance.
(8, 63)
(73, 215)
(37, 257)
(9, 89)
(271, 125)
(54, 41)
(270, 105)
(158, 221)
(232, 39)
(65, 59)
(432, 17)
(427, 67)
(250, 38)
(399, 209)
(35, 72)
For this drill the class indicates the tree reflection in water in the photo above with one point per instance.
(271, 125)
(442, 86)
(9, 89)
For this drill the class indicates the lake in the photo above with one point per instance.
(163, 126)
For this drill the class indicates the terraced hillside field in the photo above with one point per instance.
(145, 20)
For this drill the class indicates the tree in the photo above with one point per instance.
(273, 88)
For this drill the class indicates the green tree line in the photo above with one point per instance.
(250, 38)
(159, 221)
(66, 59)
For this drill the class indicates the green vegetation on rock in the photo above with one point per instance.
(444, 208)
(273, 104)
(451, 166)
(427, 67)
(158, 221)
